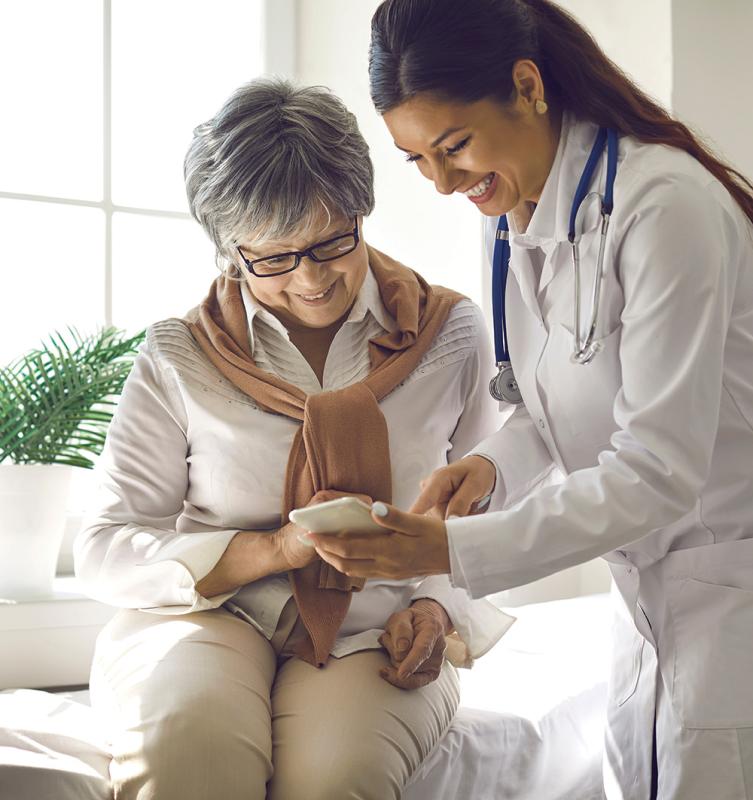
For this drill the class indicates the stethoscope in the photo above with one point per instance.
(503, 386)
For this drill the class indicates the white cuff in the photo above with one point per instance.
(187, 559)
(471, 567)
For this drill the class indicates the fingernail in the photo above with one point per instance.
(402, 644)
(380, 509)
(304, 538)
(453, 516)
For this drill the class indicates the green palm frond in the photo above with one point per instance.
(55, 401)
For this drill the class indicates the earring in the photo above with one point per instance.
(541, 107)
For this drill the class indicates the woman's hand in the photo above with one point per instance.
(295, 549)
(412, 544)
(414, 639)
(455, 489)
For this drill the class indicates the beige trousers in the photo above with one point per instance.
(203, 707)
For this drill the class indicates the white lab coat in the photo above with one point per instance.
(644, 456)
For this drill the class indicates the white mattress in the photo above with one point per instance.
(531, 721)
(529, 727)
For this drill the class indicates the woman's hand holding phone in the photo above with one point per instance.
(295, 551)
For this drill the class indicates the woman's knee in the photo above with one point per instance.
(362, 771)
(186, 707)
(194, 754)
(344, 732)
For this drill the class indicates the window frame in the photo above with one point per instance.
(280, 43)
(279, 38)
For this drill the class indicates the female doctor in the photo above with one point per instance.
(627, 320)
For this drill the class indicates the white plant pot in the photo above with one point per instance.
(33, 500)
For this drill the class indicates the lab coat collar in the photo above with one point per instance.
(550, 220)
(368, 300)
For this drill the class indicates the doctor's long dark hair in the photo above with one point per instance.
(465, 51)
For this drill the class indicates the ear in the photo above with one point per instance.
(528, 83)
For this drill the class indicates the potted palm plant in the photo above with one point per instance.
(55, 406)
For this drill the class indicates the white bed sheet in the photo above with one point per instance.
(529, 728)
(531, 721)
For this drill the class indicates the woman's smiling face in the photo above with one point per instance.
(314, 295)
(497, 154)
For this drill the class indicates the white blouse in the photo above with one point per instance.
(190, 460)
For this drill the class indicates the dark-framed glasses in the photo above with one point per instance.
(280, 263)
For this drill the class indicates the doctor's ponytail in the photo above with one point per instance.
(465, 52)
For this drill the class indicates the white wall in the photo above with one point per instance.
(693, 56)
(713, 64)
(636, 35)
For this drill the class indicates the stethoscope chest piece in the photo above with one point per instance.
(504, 387)
(585, 355)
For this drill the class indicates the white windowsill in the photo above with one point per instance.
(49, 641)
(66, 607)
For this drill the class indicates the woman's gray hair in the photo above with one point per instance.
(264, 166)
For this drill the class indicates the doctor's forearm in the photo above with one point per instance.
(249, 556)
(592, 512)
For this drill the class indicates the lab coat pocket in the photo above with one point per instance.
(560, 300)
(713, 653)
(581, 396)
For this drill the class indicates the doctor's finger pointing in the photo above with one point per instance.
(456, 487)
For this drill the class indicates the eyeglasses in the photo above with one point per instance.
(329, 250)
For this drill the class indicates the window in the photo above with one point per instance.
(99, 101)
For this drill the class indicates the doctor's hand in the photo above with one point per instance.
(455, 489)
(290, 540)
(414, 640)
(412, 544)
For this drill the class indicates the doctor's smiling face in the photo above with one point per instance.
(315, 294)
(497, 154)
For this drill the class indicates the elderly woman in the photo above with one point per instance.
(241, 665)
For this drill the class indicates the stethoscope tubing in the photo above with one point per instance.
(584, 349)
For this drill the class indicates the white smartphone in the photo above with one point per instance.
(343, 514)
